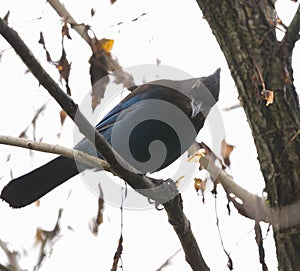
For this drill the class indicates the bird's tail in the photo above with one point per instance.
(35, 184)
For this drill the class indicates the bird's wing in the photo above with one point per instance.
(114, 114)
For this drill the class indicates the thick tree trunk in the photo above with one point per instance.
(245, 31)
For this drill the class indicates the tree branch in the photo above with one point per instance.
(81, 29)
(158, 190)
(292, 34)
(250, 205)
(56, 149)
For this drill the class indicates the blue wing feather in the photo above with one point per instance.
(113, 115)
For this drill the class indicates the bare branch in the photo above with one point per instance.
(81, 29)
(250, 205)
(292, 34)
(182, 227)
(56, 149)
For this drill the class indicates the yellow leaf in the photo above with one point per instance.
(108, 45)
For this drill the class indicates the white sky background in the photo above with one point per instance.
(174, 32)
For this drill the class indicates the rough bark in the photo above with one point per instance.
(245, 31)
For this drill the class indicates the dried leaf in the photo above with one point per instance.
(100, 68)
(37, 203)
(63, 116)
(46, 239)
(102, 64)
(42, 40)
(113, 1)
(64, 66)
(226, 150)
(96, 222)
(229, 263)
(65, 31)
(38, 236)
(200, 185)
(103, 45)
(93, 11)
(268, 95)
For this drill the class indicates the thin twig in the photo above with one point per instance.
(56, 149)
(81, 29)
(168, 261)
(229, 262)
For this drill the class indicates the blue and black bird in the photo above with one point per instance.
(150, 128)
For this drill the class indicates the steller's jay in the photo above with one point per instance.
(150, 128)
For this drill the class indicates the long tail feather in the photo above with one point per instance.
(35, 184)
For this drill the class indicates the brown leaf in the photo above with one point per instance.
(38, 236)
(113, 1)
(100, 68)
(226, 150)
(267, 95)
(101, 65)
(93, 11)
(230, 263)
(65, 31)
(42, 40)
(63, 116)
(37, 203)
(64, 66)
(200, 185)
(46, 239)
(96, 222)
